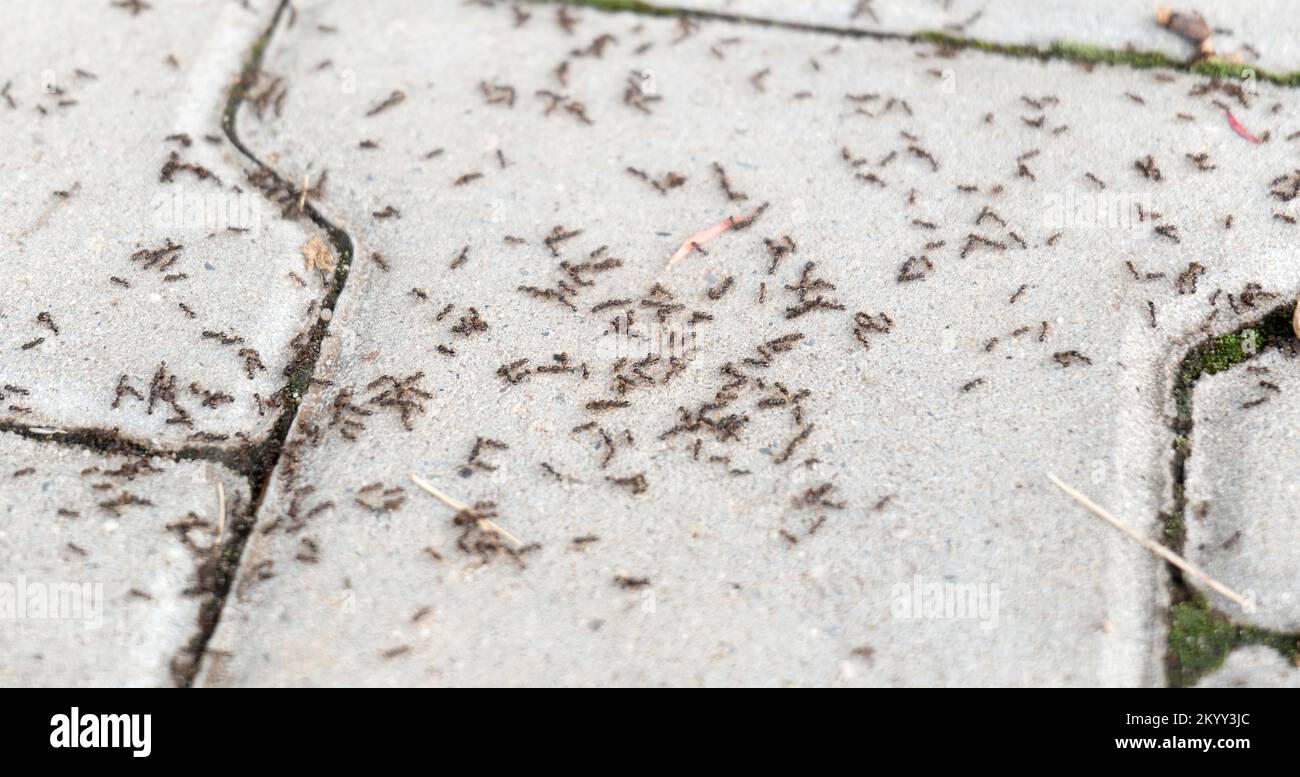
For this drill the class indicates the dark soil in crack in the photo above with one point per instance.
(259, 462)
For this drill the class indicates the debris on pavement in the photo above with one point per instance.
(317, 255)
(1191, 26)
(1241, 129)
(1154, 547)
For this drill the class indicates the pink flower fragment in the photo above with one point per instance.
(705, 235)
(1241, 129)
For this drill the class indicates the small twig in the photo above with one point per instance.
(1154, 547)
(459, 506)
(1191, 26)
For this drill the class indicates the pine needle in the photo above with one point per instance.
(1154, 547)
(461, 507)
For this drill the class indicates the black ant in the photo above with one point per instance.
(475, 462)
(1070, 358)
(732, 194)
(394, 98)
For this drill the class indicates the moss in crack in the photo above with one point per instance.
(1199, 642)
(1226, 351)
(1087, 53)
(1175, 529)
(1065, 50)
(631, 6)
(1019, 51)
(1200, 639)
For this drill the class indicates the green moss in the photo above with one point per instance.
(1075, 51)
(1200, 640)
(957, 42)
(1226, 351)
(1286, 644)
(632, 6)
(1175, 528)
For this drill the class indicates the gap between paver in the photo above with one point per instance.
(1065, 50)
(255, 462)
(1200, 637)
(299, 371)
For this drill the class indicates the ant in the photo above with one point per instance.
(637, 483)
(395, 98)
(474, 460)
(732, 194)
(1069, 358)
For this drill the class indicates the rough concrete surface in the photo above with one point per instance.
(938, 396)
(736, 353)
(1243, 485)
(1256, 33)
(99, 556)
(102, 314)
(1254, 667)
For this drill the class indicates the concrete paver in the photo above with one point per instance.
(103, 561)
(150, 280)
(1243, 483)
(1254, 667)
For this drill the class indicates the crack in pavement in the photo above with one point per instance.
(1273, 329)
(299, 372)
(1062, 50)
(254, 462)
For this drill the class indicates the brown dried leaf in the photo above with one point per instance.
(317, 255)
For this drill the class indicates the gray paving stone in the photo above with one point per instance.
(1260, 33)
(1254, 667)
(98, 556)
(935, 427)
(1243, 485)
(96, 102)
